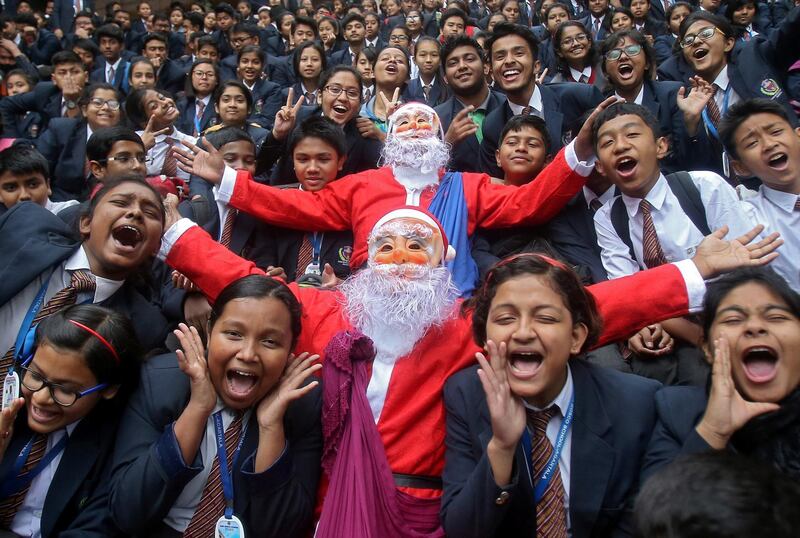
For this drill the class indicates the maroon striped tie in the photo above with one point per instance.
(10, 505)
(551, 517)
(81, 282)
(797, 204)
(227, 229)
(304, 256)
(653, 254)
(713, 109)
(170, 166)
(212, 502)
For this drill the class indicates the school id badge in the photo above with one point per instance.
(229, 528)
(10, 389)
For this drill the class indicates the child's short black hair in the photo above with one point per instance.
(236, 84)
(154, 36)
(624, 109)
(28, 77)
(453, 12)
(206, 40)
(738, 113)
(612, 41)
(253, 49)
(24, 159)
(89, 91)
(463, 40)
(86, 44)
(298, 51)
(102, 140)
(517, 123)
(245, 27)
(720, 22)
(225, 7)
(226, 135)
(110, 30)
(350, 17)
(319, 127)
(306, 21)
(66, 57)
(325, 77)
(504, 29)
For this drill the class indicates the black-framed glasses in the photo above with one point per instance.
(113, 104)
(571, 40)
(704, 35)
(398, 37)
(141, 158)
(34, 382)
(630, 51)
(336, 91)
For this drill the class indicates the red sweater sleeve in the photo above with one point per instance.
(536, 202)
(629, 303)
(209, 265)
(325, 210)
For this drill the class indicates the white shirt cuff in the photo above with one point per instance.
(583, 168)
(695, 285)
(171, 236)
(224, 191)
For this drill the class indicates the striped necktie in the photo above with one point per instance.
(227, 229)
(212, 501)
(199, 110)
(81, 282)
(797, 204)
(651, 248)
(551, 517)
(11, 505)
(304, 256)
(170, 166)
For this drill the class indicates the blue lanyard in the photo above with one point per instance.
(24, 329)
(18, 483)
(316, 245)
(222, 454)
(552, 464)
(709, 124)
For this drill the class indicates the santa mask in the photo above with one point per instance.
(415, 147)
(408, 237)
(415, 120)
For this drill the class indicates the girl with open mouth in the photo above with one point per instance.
(752, 337)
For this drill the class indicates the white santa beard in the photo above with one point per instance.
(395, 313)
(415, 161)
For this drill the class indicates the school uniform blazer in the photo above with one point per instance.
(188, 109)
(149, 472)
(361, 153)
(573, 235)
(77, 499)
(413, 92)
(563, 105)
(48, 241)
(64, 146)
(275, 46)
(45, 98)
(228, 67)
(340, 57)
(679, 410)
(170, 77)
(64, 14)
(120, 75)
(281, 70)
(267, 101)
(614, 415)
(663, 47)
(41, 52)
(605, 29)
(462, 155)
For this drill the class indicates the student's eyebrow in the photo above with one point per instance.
(780, 307)
(735, 308)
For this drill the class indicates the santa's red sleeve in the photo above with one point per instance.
(535, 203)
(630, 303)
(324, 210)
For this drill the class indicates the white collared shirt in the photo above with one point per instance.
(722, 82)
(677, 235)
(56, 207)
(13, 312)
(553, 428)
(589, 195)
(639, 96)
(28, 519)
(775, 210)
(576, 75)
(373, 43)
(159, 151)
(89, 131)
(185, 505)
(115, 66)
(535, 102)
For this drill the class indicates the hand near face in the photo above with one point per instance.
(505, 408)
(584, 148)
(290, 388)
(716, 256)
(726, 411)
(192, 362)
(7, 418)
(286, 117)
(461, 127)
(207, 164)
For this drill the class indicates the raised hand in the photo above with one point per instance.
(367, 129)
(393, 105)
(726, 410)
(715, 256)
(505, 408)
(171, 211)
(7, 418)
(692, 105)
(461, 127)
(207, 164)
(286, 117)
(276, 272)
(182, 283)
(149, 134)
(541, 76)
(192, 362)
(329, 278)
(272, 408)
(584, 148)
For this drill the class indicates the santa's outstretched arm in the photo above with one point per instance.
(672, 290)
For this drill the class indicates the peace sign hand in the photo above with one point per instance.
(149, 135)
(286, 117)
(207, 164)
(393, 105)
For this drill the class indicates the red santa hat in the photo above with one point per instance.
(414, 212)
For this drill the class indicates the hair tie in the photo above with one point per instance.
(99, 337)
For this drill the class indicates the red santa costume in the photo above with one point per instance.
(357, 201)
(406, 393)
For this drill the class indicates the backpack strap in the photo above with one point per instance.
(619, 219)
(685, 190)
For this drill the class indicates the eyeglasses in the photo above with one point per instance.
(34, 382)
(336, 91)
(205, 74)
(125, 159)
(113, 104)
(705, 34)
(398, 37)
(579, 38)
(412, 17)
(630, 51)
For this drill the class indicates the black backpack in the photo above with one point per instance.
(684, 189)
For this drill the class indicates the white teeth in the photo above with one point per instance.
(245, 374)
(511, 72)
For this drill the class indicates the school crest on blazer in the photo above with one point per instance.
(770, 88)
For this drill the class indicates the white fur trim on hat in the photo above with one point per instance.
(424, 216)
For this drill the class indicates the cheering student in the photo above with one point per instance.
(235, 418)
(58, 438)
(25, 177)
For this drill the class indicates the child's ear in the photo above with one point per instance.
(97, 169)
(662, 147)
(579, 334)
(110, 392)
(740, 168)
(708, 351)
(729, 43)
(84, 225)
(342, 159)
(497, 157)
(598, 165)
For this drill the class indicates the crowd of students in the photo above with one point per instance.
(572, 227)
